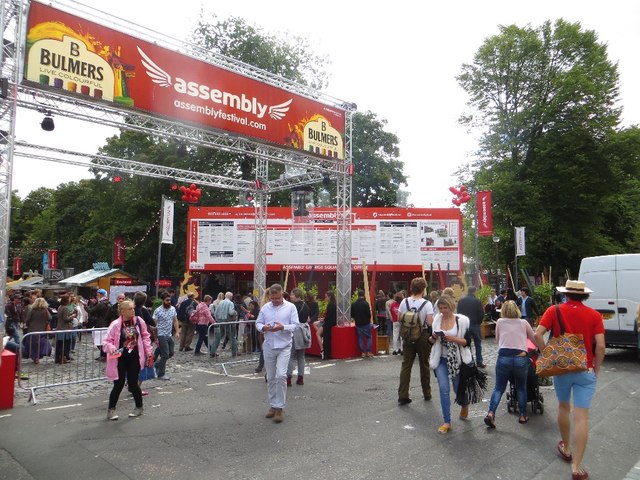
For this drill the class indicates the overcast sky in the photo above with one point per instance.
(398, 61)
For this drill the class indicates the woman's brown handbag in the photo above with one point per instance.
(564, 353)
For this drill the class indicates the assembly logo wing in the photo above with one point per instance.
(157, 74)
(278, 112)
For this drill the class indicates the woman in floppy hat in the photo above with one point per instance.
(577, 318)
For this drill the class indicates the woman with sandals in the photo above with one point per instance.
(450, 339)
(576, 318)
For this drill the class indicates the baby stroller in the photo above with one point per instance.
(534, 397)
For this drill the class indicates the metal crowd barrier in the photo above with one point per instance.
(224, 358)
(45, 365)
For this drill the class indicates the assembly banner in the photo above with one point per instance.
(118, 251)
(520, 242)
(79, 58)
(53, 259)
(167, 221)
(17, 266)
(485, 222)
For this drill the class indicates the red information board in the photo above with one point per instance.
(396, 239)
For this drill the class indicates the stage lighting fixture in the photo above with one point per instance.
(326, 181)
(47, 123)
(249, 197)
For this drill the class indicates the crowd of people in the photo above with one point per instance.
(140, 335)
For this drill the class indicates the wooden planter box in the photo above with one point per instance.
(487, 330)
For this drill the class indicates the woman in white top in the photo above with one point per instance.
(511, 334)
(450, 340)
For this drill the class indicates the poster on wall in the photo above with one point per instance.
(396, 239)
(80, 58)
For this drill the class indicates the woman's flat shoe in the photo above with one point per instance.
(444, 428)
(490, 421)
(581, 475)
(566, 457)
(523, 419)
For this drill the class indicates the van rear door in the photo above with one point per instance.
(599, 273)
(628, 273)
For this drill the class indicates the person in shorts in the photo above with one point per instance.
(577, 318)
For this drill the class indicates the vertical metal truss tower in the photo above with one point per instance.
(343, 233)
(13, 94)
(260, 253)
(10, 55)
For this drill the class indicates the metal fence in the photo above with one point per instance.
(60, 357)
(248, 343)
(66, 357)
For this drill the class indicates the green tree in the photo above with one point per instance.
(544, 101)
(378, 171)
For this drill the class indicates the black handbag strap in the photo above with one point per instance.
(560, 323)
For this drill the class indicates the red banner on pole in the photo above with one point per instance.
(53, 259)
(17, 266)
(118, 251)
(485, 223)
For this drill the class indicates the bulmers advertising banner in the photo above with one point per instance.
(77, 57)
(398, 239)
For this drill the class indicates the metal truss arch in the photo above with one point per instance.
(49, 101)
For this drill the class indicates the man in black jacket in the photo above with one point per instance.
(471, 307)
(361, 313)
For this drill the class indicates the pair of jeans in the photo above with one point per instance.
(364, 335)
(230, 332)
(163, 353)
(276, 362)
(203, 332)
(422, 348)
(474, 330)
(444, 385)
(514, 369)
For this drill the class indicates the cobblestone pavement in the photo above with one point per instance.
(69, 384)
(200, 402)
(84, 376)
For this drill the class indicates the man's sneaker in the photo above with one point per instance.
(136, 412)
(166, 379)
(111, 414)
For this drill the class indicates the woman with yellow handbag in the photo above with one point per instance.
(573, 317)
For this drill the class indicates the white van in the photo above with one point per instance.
(615, 281)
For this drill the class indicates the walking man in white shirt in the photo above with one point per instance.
(277, 320)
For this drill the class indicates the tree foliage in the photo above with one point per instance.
(378, 171)
(545, 101)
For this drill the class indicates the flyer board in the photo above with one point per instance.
(396, 239)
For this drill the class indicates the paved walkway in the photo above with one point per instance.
(188, 370)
